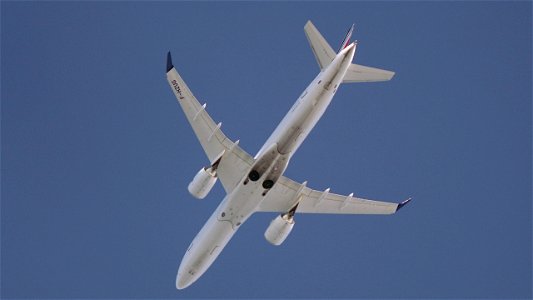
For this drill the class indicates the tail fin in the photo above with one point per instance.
(347, 38)
(324, 55)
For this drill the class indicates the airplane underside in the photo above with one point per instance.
(257, 184)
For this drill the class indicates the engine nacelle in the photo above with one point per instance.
(279, 229)
(202, 183)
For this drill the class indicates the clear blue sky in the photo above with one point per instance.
(97, 155)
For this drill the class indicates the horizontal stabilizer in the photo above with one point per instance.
(323, 52)
(358, 73)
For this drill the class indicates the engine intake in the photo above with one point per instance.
(279, 229)
(202, 183)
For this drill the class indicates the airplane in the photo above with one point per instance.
(256, 184)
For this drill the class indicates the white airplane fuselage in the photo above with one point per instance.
(272, 159)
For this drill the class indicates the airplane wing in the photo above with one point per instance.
(234, 162)
(286, 193)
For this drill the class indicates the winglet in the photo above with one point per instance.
(169, 62)
(403, 203)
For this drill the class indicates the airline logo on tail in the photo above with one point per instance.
(346, 40)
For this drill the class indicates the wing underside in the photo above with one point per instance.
(286, 193)
(234, 161)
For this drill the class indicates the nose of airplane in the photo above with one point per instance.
(183, 280)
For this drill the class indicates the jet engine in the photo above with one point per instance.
(279, 229)
(203, 182)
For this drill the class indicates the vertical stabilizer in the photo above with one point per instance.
(347, 38)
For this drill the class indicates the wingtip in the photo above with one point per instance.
(169, 62)
(403, 203)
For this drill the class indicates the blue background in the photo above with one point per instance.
(97, 155)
